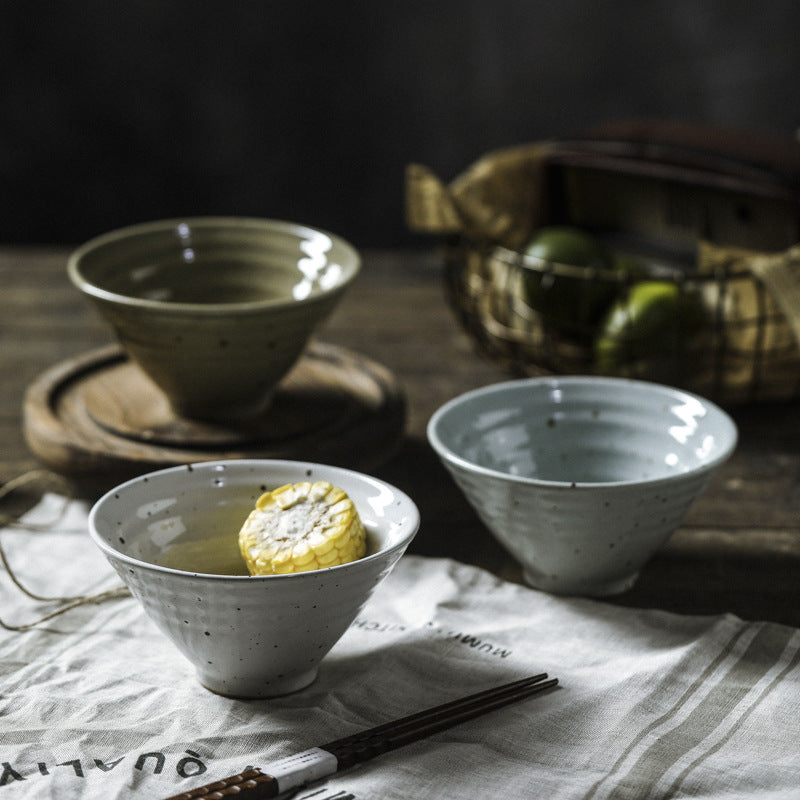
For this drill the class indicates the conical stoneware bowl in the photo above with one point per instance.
(215, 310)
(172, 536)
(582, 479)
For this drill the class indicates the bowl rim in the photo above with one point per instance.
(729, 436)
(350, 269)
(412, 525)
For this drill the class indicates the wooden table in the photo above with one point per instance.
(738, 551)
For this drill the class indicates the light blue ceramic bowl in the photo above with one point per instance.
(582, 479)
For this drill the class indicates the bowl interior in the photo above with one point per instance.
(213, 261)
(582, 430)
(188, 518)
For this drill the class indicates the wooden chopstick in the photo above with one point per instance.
(319, 762)
(425, 723)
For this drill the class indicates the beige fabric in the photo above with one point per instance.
(498, 198)
(96, 704)
(780, 273)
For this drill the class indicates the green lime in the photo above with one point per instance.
(654, 321)
(564, 244)
(570, 305)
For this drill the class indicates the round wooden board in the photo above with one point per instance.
(99, 417)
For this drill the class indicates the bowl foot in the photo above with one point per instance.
(255, 689)
(585, 588)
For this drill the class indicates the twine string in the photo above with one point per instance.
(53, 482)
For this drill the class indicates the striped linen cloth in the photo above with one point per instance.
(96, 703)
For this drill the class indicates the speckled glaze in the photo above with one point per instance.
(216, 310)
(581, 478)
(247, 636)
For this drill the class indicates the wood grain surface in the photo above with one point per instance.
(97, 417)
(738, 551)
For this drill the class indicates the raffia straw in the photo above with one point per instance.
(57, 483)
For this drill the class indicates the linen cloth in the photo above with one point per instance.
(96, 703)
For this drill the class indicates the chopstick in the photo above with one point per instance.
(327, 759)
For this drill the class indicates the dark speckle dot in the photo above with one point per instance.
(551, 422)
(206, 633)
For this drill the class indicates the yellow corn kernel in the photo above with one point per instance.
(300, 527)
(321, 543)
(303, 554)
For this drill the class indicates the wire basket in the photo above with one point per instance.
(744, 352)
(740, 346)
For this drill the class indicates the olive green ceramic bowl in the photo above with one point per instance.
(216, 310)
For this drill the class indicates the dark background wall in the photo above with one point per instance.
(113, 113)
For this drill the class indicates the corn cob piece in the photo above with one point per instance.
(301, 527)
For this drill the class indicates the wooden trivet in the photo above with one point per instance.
(99, 417)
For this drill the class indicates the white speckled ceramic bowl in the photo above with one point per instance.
(581, 478)
(247, 636)
(216, 310)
